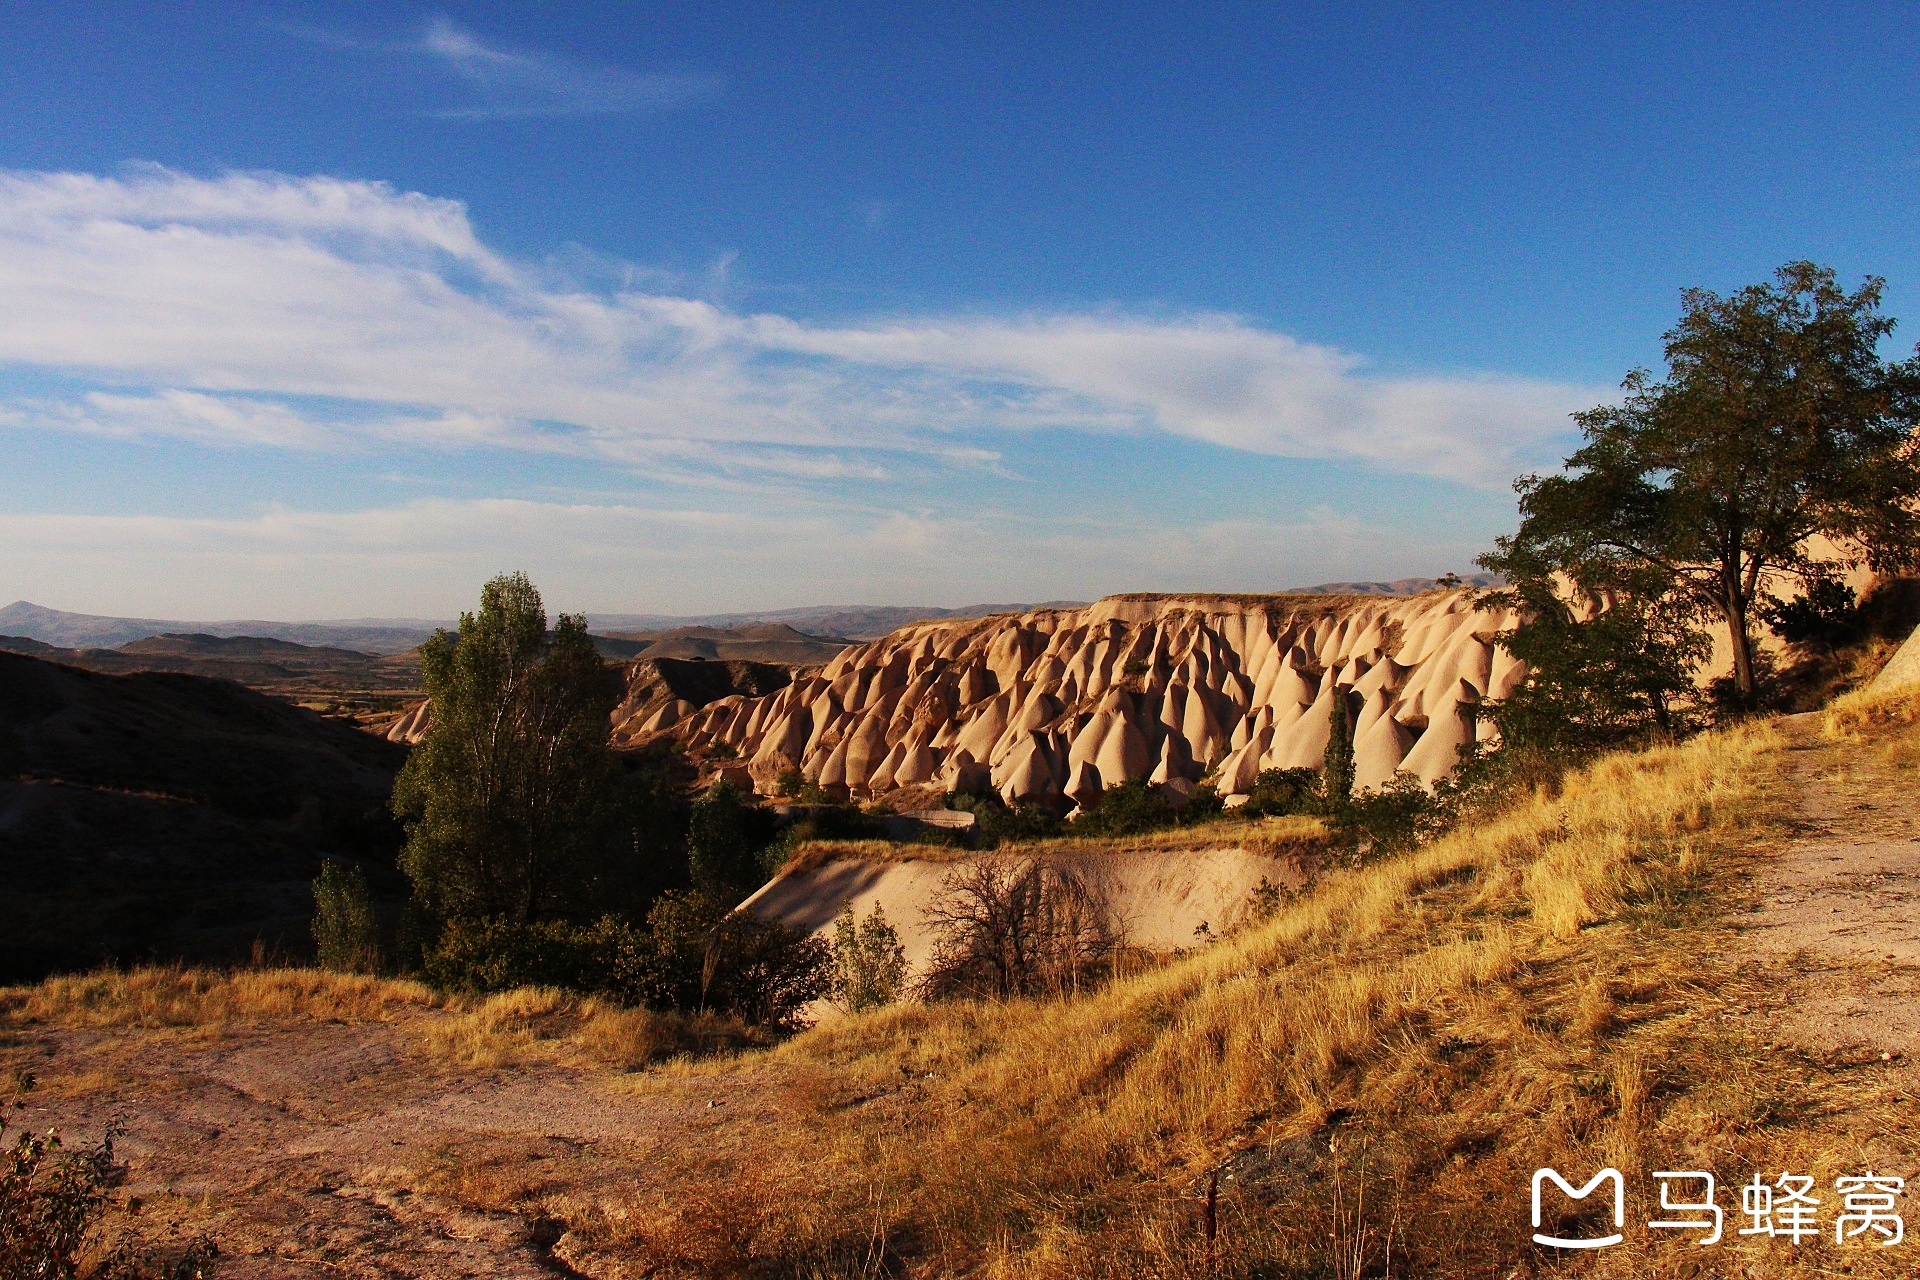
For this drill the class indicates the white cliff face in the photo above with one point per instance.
(1069, 702)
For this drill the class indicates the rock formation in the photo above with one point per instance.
(1057, 705)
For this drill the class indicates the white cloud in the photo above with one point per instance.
(429, 558)
(513, 84)
(519, 84)
(247, 287)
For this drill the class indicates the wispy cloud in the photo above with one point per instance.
(302, 312)
(511, 84)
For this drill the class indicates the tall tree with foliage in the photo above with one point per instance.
(1777, 421)
(509, 797)
(720, 844)
(1336, 769)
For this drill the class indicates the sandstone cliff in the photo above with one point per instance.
(1059, 704)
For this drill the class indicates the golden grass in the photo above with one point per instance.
(1868, 709)
(1422, 1031)
(544, 1025)
(1270, 836)
(182, 997)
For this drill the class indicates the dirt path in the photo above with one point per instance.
(1834, 925)
(342, 1150)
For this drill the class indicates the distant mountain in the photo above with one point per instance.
(92, 631)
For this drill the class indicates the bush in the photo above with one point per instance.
(1279, 792)
(1128, 809)
(1826, 616)
(704, 955)
(995, 823)
(870, 962)
(1395, 817)
(344, 928)
(695, 953)
(498, 955)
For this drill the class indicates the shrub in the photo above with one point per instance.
(344, 928)
(695, 953)
(51, 1201)
(1395, 817)
(1827, 615)
(497, 955)
(1278, 792)
(871, 964)
(995, 823)
(704, 955)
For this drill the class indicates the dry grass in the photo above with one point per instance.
(1269, 836)
(181, 997)
(543, 1025)
(1378, 1066)
(1857, 714)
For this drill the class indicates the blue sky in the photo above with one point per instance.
(335, 310)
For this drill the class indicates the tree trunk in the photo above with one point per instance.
(1741, 641)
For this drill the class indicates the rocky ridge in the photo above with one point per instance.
(1058, 704)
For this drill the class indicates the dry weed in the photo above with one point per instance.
(1855, 715)
(544, 1025)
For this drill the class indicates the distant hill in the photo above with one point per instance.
(93, 631)
(269, 665)
(170, 816)
(768, 642)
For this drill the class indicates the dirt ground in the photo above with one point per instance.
(1834, 920)
(344, 1149)
(349, 1149)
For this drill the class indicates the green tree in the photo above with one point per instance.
(1777, 421)
(344, 929)
(720, 844)
(510, 798)
(1600, 670)
(1336, 768)
(872, 965)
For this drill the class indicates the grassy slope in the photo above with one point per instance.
(1382, 1063)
